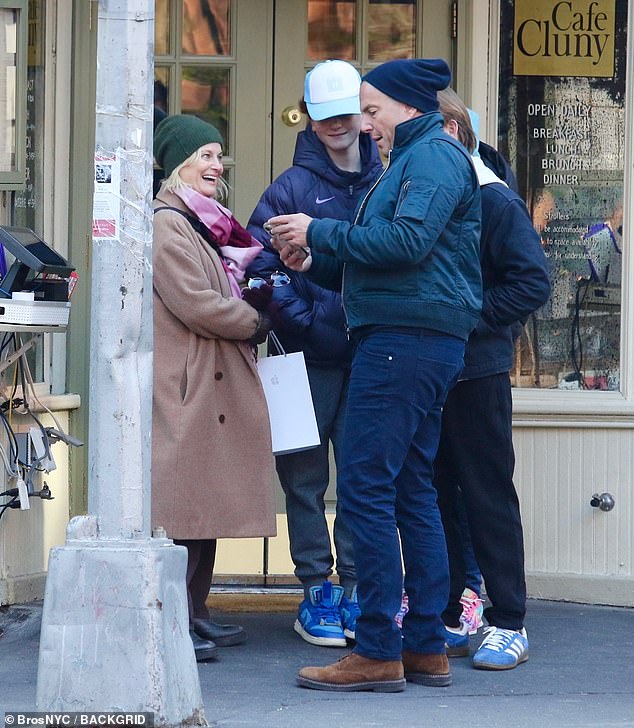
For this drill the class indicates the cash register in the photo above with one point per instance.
(35, 289)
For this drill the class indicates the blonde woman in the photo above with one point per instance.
(212, 466)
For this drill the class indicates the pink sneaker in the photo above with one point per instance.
(471, 617)
(472, 609)
(403, 610)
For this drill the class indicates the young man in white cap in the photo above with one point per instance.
(334, 166)
(410, 274)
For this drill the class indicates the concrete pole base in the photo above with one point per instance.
(115, 629)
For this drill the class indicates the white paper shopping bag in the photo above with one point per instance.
(291, 411)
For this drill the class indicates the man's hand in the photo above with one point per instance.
(288, 237)
(297, 259)
(289, 228)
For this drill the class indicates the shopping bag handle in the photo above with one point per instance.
(276, 342)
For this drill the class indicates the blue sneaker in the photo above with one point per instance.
(457, 641)
(350, 612)
(319, 620)
(501, 649)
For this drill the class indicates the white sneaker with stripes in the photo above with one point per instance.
(501, 649)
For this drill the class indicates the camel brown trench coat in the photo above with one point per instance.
(212, 465)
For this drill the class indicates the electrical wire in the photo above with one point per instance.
(9, 465)
(13, 442)
(31, 387)
(7, 505)
(6, 340)
(11, 461)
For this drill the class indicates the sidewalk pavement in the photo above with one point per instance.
(580, 673)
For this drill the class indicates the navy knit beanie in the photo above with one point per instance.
(177, 137)
(411, 81)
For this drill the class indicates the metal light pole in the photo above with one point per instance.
(115, 625)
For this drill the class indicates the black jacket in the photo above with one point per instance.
(514, 278)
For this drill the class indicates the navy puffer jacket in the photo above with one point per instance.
(310, 318)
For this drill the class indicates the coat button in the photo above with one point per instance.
(218, 375)
(221, 419)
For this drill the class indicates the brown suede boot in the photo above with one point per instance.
(432, 670)
(355, 672)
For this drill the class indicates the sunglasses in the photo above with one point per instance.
(276, 280)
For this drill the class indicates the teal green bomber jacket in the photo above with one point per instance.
(411, 258)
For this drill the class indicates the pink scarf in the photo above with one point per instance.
(237, 247)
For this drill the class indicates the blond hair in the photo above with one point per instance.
(175, 182)
(452, 108)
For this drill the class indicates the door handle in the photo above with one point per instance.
(291, 116)
(604, 502)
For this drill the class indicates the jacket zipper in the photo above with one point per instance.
(403, 198)
(361, 206)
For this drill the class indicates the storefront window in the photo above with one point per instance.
(8, 66)
(27, 203)
(206, 27)
(192, 71)
(162, 21)
(391, 29)
(332, 30)
(205, 93)
(333, 27)
(562, 126)
(27, 207)
(12, 80)
(161, 94)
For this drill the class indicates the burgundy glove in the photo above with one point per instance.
(259, 298)
(261, 331)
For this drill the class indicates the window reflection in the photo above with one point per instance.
(206, 27)
(162, 27)
(8, 62)
(28, 207)
(161, 111)
(576, 334)
(205, 93)
(161, 94)
(391, 29)
(331, 29)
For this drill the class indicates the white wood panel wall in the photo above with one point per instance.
(575, 551)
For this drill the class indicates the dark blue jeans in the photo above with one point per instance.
(398, 385)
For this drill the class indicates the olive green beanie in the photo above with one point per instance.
(177, 137)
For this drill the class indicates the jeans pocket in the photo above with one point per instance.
(378, 346)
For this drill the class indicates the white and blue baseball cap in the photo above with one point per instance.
(332, 89)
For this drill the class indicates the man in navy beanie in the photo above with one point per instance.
(410, 274)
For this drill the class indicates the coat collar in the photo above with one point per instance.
(408, 132)
(164, 197)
